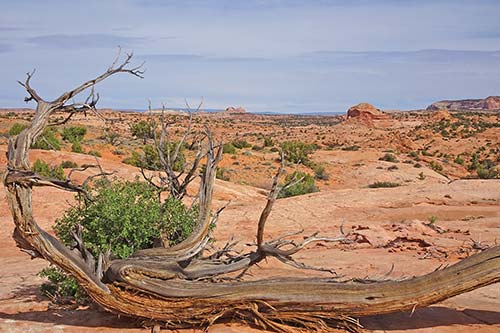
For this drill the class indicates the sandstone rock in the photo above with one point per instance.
(233, 110)
(489, 103)
(365, 113)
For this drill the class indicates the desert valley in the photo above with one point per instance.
(412, 190)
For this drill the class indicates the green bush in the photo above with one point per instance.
(150, 159)
(304, 186)
(61, 287)
(268, 142)
(68, 165)
(47, 140)
(76, 147)
(319, 172)
(95, 153)
(383, 184)
(45, 170)
(436, 166)
(122, 217)
(240, 144)
(389, 158)
(220, 173)
(228, 148)
(73, 134)
(297, 151)
(16, 129)
(144, 130)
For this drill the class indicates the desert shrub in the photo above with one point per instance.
(68, 165)
(297, 151)
(304, 186)
(76, 147)
(487, 170)
(421, 176)
(17, 128)
(150, 160)
(228, 148)
(257, 148)
(44, 169)
(143, 130)
(73, 134)
(221, 173)
(351, 148)
(268, 141)
(392, 168)
(319, 172)
(459, 160)
(122, 218)
(61, 287)
(389, 158)
(47, 140)
(240, 144)
(118, 152)
(95, 153)
(274, 149)
(247, 153)
(383, 184)
(112, 137)
(436, 166)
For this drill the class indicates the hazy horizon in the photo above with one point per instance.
(266, 56)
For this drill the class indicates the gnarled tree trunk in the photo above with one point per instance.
(176, 287)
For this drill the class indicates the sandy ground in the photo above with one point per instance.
(390, 225)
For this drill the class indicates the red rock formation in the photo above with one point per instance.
(366, 113)
(233, 110)
(489, 103)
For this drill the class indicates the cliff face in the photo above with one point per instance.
(489, 103)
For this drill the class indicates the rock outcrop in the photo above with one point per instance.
(233, 110)
(486, 104)
(366, 112)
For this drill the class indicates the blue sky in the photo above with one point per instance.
(269, 55)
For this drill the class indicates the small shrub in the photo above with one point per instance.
(111, 137)
(319, 172)
(16, 129)
(383, 184)
(144, 130)
(432, 219)
(68, 165)
(247, 153)
(421, 176)
(240, 144)
(257, 148)
(221, 173)
(268, 142)
(389, 158)
(436, 166)
(45, 170)
(297, 151)
(47, 140)
(393, 167)
(351, 148)
(76, 147)
(61, 288)
(73, 134)
(306, 185)
(459, 160)
(95, 153)
(228, 148)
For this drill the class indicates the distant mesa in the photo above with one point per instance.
(366, 111)
(487, 104)
(233, 110)
(441, 114)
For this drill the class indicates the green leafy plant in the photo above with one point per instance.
(73, 134)
(144, 129)
(305, 184)
(228, 148)
(44, 169)
(68, 165)
(297, 151)
(76, 147)
(17, 128)
(47, 140)
(389, 158)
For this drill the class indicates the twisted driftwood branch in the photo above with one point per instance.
(180, 289)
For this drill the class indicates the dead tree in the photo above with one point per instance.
(177, 287)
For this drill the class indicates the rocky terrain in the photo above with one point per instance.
(486, 104)
(443, 205)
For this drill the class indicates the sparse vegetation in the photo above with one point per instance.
(297, 151)
(47, 140)
(73, 134)
(383, 184)
(388, 157)
(16, 129)
(44, 169)
(304, 184)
